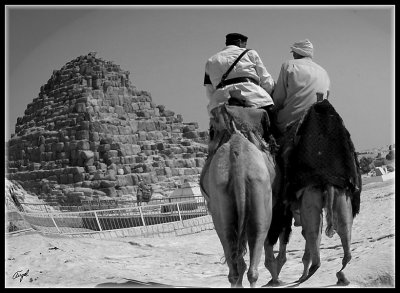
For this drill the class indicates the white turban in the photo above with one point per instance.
(303, 48)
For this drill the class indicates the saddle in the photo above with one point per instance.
(253, 123)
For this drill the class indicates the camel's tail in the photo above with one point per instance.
(238, 189)
(330, 197)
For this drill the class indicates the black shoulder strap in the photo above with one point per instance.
(230, 68)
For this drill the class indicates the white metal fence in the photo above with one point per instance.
(15, 222)
(54, 221)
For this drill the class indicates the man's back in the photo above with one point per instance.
(296, 90)
(249, 80)
(219, 63)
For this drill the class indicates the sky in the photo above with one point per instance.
(165, 49)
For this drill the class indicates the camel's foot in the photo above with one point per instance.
(274, 283)
(342, 280)
(329, 232)
(311, 272)
(302, 278)
(236, 283)
(236, 286)
(313, 269)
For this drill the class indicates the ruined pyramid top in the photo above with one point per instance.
(83, 77)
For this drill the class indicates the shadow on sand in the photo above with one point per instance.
(133, 284)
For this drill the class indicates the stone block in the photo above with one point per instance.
(124, 130)
(104, 148)
(142, 135)
(78, 177)
(167, 113)
(80, 107)
(63, 178)
(98, 175)
(83, 145)
(62, 156)
(119, 110)
(109, 191)
(84, 125)
(168, 172)
(200, 162)
(99, 193)
(86, 154)
(110, 175)
(188, 128)
(94, 136)
(71, 178)
(82, 135)
(191, 135)
(85, 191)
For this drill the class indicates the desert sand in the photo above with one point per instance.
(35, 260)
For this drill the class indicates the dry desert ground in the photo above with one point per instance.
(35, 260)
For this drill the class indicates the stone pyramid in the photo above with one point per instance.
(91, 134)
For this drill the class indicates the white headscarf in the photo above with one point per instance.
(303, 48)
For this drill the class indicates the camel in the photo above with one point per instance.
(324, 174)
(237, 185)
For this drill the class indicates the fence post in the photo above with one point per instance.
(179, 211)
(141, 215)
(54, 222)
(98, 222)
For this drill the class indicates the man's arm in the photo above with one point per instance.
(329, 85)
(209, 87)
(209, 91)
(266, 80)
(280, 92)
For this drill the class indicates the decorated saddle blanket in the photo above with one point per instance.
(249, 119)
(251, 122)
(324, 153)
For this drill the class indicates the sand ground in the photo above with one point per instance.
(34, 260)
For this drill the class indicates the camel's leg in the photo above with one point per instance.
(306, 260)
(237, 267)
(241, 268)
(236, 273)
(284, 222)
(343, 210)
(311, 218)
(257, 227)
(330, 198)
(271, 263)
(235, 276)
(222, 212)
(274, 265)
(255, 246)
(281, 258)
